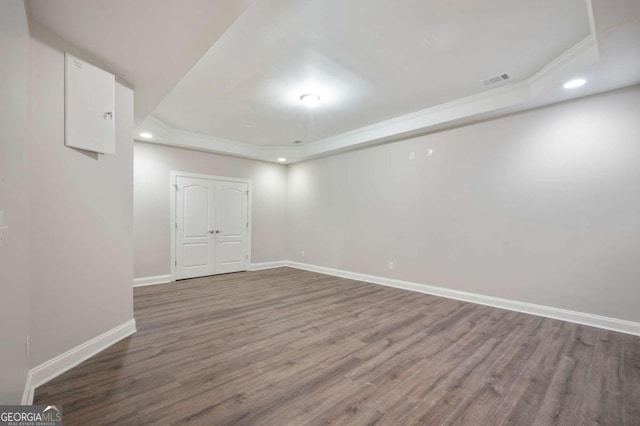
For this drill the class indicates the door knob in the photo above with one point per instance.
(215, 232)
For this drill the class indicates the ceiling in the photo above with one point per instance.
(226, 76)
(150, 44)
(368, 60)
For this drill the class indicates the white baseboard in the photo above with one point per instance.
(159, 279)
(164, 279)
(267, 265)
(51, 369)
(599, 321)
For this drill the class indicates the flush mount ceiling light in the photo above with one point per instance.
(310, 100)
(282, 159)
(146, 135)
(572, 84)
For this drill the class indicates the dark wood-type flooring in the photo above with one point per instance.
(288, 347)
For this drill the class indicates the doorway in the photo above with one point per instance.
(210, 226)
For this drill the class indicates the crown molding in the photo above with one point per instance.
(164, 134)
(487, 104)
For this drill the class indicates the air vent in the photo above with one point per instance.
(496, 79)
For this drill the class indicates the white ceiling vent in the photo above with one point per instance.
(496, 79)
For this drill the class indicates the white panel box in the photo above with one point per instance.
(89, 107)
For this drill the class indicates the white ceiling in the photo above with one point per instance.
(150, 44)
(368, 60)
(226, 75)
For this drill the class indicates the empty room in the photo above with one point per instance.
(307, 212)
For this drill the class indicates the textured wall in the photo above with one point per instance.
(14, 199)
(541, 206)
(82, 219)
(152, 238)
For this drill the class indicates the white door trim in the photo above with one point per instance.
(172, 225)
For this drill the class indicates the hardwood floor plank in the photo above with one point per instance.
(289, 347)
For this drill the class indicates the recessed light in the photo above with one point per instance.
(310, 100)
(572, 84)
(282, 159)
(146, 135)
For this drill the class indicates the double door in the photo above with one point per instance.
(212, 226)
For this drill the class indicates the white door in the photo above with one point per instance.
(232, 224)
(195, 221)
(211, 227)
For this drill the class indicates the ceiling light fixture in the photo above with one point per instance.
(282, 159)
(310, 100)
(146, 135)
(572, 84)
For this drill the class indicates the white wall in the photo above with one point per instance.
(541, 207)
(82, 218)
(14, 199)
(152, 238)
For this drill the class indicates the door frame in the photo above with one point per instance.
(172, 224)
